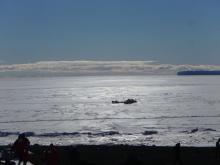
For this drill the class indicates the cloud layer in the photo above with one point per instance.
(71, 68)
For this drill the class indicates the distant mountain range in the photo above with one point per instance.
(199, 72)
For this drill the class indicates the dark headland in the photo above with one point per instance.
(199, 72)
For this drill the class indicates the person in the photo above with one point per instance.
(21, 147)
(177, 159)
(218, 150)
(51, 156)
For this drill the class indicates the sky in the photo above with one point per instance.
(171, 31)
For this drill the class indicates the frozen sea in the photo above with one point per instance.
(78, 110)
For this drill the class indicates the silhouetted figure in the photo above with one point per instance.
(51, 156)
(177, 154)
(218, 150)
(21, 147)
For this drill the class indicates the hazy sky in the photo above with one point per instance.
(168, 31)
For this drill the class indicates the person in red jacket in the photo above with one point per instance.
(21, 147)
(52, 156)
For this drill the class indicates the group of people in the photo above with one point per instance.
(50, 156)
(21, 149)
